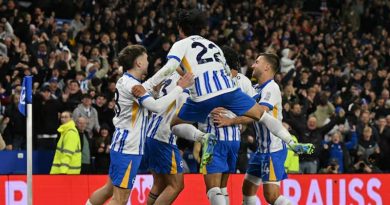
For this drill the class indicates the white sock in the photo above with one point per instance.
(281, 200)
(215, 196)
(88, 203)
(188, 132)
(249, 200)
(225, 194)
(276, 127)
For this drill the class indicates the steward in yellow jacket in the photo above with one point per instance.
(67, 159)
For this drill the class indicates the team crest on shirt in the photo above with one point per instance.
(267, 96)
(181, 164)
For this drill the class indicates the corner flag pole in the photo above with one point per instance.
(26, 99)
(29, 153)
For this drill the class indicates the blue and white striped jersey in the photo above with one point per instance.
(229, 133)
(206, 61)
(159, 123)
(269, 95)
(131, 119)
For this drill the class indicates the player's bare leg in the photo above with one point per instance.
(213, 184)
(158, 187)
(224, 181)
(120, 196)
(276, 127)
(271, 191)
(102, 194)
(249, 190)
(186, 130)
(175, 184)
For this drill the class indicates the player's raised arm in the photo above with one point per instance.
(174, 57)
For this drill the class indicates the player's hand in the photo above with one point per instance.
(138, 91)
(196, 151)
(221, 120)
(218, 110)
(186, 80)
(302, 148)
(9, 147)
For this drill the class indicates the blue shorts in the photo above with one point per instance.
(123, 169)
(163, 158)
(268, 166)
(236, 101)
(224, 157)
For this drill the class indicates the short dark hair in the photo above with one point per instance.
(273, 60)
(191, 21)
(74, 81)
(232, 58)
(127, 56)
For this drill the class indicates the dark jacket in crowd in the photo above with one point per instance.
(315, 136)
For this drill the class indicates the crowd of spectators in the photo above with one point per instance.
(335, 58)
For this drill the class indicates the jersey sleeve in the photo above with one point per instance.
(174, 57)
(270, 96)
(178, 50)
(246, 86)
(127, 86)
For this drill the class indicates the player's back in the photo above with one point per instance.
(130, 119)
(205, 59)
(159, 123)
(270, 96)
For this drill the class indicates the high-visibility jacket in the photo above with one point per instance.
(292, 161)
(67, 159)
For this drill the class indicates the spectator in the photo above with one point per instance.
(333, 167)
(337, 152)
(6, 30)
(380, 110)
(54, 89)
(384, 143)
(367, 166)
(324, 110)
(108, 115)
(100, 105)
(101, 150)
(77, 25)
(311, 134)
(46, 110)
(295, 114)
(72, 95)
(364, 122)
(2, 143)
(86, 144)
(367, 144)
(286, 62)
(67, 159)
(15, 132)
(86, 110)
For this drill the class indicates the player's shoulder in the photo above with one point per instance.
(272, 87)
(242, 77)
(271, 84)
(127, 81)
(183, 42)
